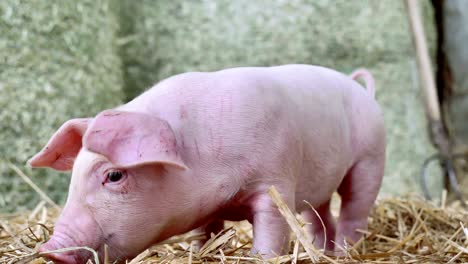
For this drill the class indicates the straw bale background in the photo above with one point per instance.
(58, 60)
(67, 59)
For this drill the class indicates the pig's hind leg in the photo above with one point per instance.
(321, 228)
(358, 192)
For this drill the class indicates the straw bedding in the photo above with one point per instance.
(403, 230)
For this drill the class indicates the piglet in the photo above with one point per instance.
(202, 147)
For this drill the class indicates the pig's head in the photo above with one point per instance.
(127, 175)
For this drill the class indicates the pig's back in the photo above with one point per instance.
(325, 109)
(238, 117)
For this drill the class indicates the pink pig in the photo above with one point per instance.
(203, 147)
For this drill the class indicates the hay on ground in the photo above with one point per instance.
(403, 230)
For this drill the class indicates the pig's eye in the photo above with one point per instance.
(115, 176)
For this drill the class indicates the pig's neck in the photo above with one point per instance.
(215, 194)
(208, 196)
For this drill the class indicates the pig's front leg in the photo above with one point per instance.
(270, 229)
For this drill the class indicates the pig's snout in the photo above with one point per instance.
(67, 257)
(75, 228)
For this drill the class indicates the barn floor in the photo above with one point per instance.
(405, 230)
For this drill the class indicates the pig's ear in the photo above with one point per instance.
(62, 148)
(129, 139)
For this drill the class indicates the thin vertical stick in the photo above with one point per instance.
(425, 68)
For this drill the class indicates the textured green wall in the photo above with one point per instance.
(57, 61)
(64, 59)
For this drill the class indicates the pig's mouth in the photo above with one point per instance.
(114, 254)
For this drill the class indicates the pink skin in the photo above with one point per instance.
(200, 148)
